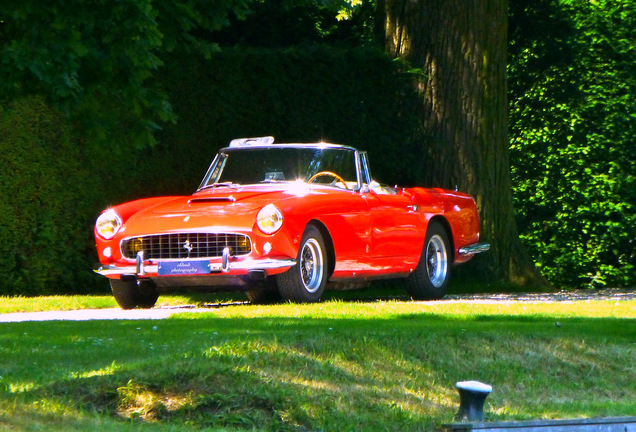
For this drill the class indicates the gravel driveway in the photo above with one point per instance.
(560, 296)
(166, 311)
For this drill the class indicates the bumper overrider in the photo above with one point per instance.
(199, 267)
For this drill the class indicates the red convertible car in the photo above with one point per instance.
(286, 221)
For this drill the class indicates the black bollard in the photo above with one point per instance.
(472, 395)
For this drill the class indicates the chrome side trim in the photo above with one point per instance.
(262, 264)
(474, 248)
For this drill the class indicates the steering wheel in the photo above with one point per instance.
(328, 173)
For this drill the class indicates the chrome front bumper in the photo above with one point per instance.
(146, 268)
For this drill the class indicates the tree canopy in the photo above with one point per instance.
(96, 61)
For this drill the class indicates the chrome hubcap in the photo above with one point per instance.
(311, 265)
(436, 261)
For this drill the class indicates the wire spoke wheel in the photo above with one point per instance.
(311, 265)
(436, 261)
(305, 282)
(429, 280)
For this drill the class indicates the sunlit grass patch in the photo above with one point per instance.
(55, 303)
(106, 301)
(339, 365)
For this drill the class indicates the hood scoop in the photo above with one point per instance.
(207, 200)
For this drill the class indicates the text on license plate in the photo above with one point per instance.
(177, 268)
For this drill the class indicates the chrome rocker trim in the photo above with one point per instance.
(474, 248)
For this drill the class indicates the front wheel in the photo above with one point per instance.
(130, 294)
(265, 293)
(305, 282)
(429, 280)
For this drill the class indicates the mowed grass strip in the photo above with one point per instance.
(105, 301)
(332, 366)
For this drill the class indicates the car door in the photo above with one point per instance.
(396, 233)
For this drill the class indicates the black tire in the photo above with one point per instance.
(130, 294)
(147, 295)
(305, 282)
(265, 293)
(429, 280)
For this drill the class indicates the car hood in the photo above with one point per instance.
(210, 202)
(218, 210)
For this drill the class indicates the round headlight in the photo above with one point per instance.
(269, 219)
(108, 223)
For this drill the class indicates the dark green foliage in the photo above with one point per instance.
(572, 122)
(45, 226)
(289, 23)
(297, 95)
(96, 60)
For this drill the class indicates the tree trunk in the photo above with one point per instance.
(458, 49)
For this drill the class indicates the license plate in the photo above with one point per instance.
(183, 268)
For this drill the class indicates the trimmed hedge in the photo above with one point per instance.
(44, 204)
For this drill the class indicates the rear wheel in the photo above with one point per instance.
(429, 280)
(305, 282)
(130, 294)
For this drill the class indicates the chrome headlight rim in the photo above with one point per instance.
(269, 219)
(108, 224)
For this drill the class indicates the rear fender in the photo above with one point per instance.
(449, 232)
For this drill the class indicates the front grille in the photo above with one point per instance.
(185, 245)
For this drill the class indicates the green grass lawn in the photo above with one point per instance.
(334, 366)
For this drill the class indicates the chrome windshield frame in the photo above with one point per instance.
(362, 171)
(208, 173)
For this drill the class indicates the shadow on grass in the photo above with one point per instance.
(287, 373)
(375, 291)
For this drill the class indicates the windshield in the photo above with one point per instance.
(246, 166)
